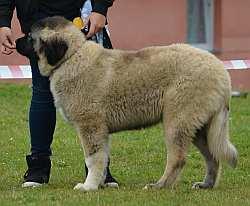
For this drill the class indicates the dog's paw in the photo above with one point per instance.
(85, 187)
(202, 185)
(153, 186)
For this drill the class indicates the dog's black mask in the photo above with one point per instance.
(24, 46)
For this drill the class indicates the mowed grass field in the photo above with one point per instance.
(137, 158)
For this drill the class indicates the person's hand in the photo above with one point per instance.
(97, 22)
(7, 43)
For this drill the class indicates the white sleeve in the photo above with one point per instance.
(86, 10)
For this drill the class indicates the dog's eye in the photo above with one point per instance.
(29, 38)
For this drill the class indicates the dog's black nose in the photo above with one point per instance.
(24, 46)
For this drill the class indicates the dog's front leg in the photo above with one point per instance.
(94, 140)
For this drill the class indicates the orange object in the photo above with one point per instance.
(78, 22)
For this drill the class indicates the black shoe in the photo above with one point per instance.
(38, 172)
(109, 181)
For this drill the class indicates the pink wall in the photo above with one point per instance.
(136, 24)
(232, 29)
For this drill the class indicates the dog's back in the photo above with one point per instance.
(138, 88)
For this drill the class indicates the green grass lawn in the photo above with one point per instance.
(138, 158)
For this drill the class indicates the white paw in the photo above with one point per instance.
(146, 187)
(202, 185)
(85, 187)
(153, 186)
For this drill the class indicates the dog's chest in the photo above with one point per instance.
(58, 102)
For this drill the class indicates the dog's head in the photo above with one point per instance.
(52, 41)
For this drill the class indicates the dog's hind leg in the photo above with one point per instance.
(95, 143)
(177, 142)
(212, 171)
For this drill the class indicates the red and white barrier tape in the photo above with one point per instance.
(15, 72)
(24, 71)
(237, 64)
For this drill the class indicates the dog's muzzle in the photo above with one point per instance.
(24, 46)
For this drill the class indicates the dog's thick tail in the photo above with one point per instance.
(218, 138)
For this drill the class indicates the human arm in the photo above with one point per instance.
(101, 6)
(7, 42)
(97, 17)
(6, 12)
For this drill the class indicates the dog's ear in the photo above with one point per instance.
(55, 50)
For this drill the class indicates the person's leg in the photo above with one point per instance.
(42, 120)
(42, 114)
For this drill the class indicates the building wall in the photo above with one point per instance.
(136, 24)
(232, 33)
